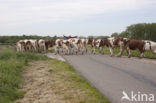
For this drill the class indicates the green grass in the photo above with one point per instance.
(134, 53)
(11, 67)
(68, 75)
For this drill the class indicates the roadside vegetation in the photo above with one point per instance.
(11, 67)
(73, 87)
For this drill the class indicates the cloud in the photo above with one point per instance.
(15, 13)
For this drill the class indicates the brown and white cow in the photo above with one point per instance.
(136, 45)
(28, 45)
(85, 44)
(94, 44)
(76, 45)
(114, 42)
(49, 44)
(150, 46)
(42, 46)
(58, 45)
(20, 46)
(34, 44)
(61, 44)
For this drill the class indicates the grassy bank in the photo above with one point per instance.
(134, 53)
(74, 88)
(11, 67)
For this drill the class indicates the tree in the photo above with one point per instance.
(115, 34)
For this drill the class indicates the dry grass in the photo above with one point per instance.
(71, 86)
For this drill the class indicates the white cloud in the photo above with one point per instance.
(21, 12)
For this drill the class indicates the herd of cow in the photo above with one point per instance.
(75, 45)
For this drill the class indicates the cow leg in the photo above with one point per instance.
(142, 54)
(86, 48)
(101, 50)
(111, 51)
(67, 50)
(44, 48)
(93, 50)
(121, 49)
(121, 52)
(128, 52)
(56, 50)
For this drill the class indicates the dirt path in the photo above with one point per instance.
(38, 83)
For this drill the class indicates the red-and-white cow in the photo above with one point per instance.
(20, 46)
(85, 44)
(150, 46)
(34, 44)
(136, 45)
(76, 45)
(94, 44)
(28, 45)
(42, 46)
(114, 42)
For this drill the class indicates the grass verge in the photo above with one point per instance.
(11, 67)
(74, 88)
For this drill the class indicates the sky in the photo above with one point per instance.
(73, 17)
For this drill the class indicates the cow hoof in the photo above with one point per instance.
(111, 55)
(118, 56)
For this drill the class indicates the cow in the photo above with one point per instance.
(34, 44)
(67, 46)
(58, 45)
(49, 43)
(28, 45)
(94, 44)
(114, 42)
(20, 46)
(136, 45)
(150, 46)
(76, 45)
(85, 44)
(42, 46)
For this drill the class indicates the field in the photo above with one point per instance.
(66, 81)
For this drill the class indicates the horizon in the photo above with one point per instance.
(81, 17)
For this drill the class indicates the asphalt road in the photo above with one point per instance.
(113, 75)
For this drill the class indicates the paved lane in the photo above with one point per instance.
(113, 75)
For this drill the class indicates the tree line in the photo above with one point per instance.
(14, 39)
(142, 31)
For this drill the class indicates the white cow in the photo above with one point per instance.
(20, 46)
(34, 45)
(150, 46)
(28, 45)
(85, 44)
(41, 44)
(58, 45)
